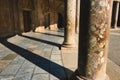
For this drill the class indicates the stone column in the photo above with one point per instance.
(93, 39)
(116, 14)
(77, 16)
(69, 39)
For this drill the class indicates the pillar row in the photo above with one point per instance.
(93, 39)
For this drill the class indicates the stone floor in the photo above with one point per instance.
(36, 56)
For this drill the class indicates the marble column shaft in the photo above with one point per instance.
(93, 38)
(69, 38)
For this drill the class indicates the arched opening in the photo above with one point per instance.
(27, 21)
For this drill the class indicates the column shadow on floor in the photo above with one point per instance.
(44, 41)
(51, 34)
(38, 60)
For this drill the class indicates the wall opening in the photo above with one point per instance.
(27, 21)
(47, 21)
(60, 21)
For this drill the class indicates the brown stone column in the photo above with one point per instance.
(116, 14)
(69, 39)
(93, 39)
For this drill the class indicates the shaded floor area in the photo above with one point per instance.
(37, 56)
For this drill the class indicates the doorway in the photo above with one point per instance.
(27, 21)
(60, 21)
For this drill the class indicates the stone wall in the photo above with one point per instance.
(47, 13)
(6, 18)
(28, 6)
(43, 14)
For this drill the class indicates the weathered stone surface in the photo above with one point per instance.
(7, 77)
(41, 70)
(55, 57)
(40, 14)
(94, 35)
(69, 39)
(25, 71)
(41, 77)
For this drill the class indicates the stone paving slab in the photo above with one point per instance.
(25, 72)
(41, 77)
(7, 77)
(3, 64)
(10, 57)
(13, 67)
(113, 70)
(39, 70)
(70, 59)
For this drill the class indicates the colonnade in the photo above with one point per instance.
(95, 19)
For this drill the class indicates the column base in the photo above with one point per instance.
(75, 76)
(68, 46)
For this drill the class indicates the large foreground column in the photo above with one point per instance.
(93, 41)
(69, 39)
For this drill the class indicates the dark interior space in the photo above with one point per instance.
(47, 21)
(113, 14)
(118, 23)
(27, 20)
(60, 20)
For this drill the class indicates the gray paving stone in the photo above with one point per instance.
(56, 48)
(23, 76)
(23, 45)
(59, 62)
(7, 77)
(13, 67)
(48, 48)
(40, 77)
(10, 70)
(52, 77)
(40, 70)
(55, 57)
(40, 46)
(56, 52)
(5, 53)
(26, 71)
(42, 54)
(17, 61)
(32, 46)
